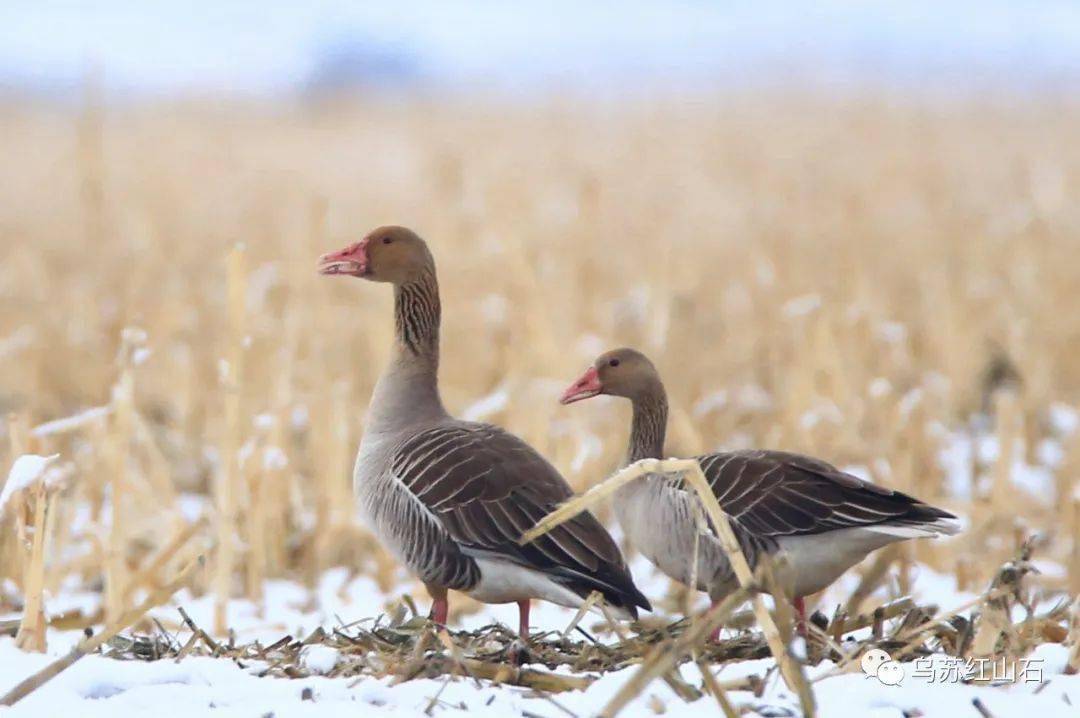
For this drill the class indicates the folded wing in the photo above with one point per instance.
(485, 487)
(774, 493)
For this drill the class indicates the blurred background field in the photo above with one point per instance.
(846, 276)
(873, 272)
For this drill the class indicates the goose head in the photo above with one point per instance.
(387, 254)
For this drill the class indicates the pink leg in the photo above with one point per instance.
(715, 637)
(440, 608)
(523, 619)
(800, 612)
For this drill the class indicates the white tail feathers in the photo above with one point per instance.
(941, 527)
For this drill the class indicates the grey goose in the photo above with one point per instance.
(822, 520)
(450, 498)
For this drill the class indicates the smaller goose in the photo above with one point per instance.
(450, 498)
(822, 520)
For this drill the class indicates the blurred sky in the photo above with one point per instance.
(271, 46)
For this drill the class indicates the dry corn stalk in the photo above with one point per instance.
(995, 614)
(1006, 409)
(31, 632)
(912, 279)
(1073, 666)
(149, 576)
(31, 636)
(118, 442)
(691, 471)
(228, 472)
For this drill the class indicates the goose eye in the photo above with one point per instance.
(387, 240)
(613, 362)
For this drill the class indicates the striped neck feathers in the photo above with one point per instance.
(407, 393)
(416, 319)
(649, 426)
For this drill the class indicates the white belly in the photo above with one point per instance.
(506, 582)
(817, 560)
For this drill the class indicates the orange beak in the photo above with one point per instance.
(586, 387)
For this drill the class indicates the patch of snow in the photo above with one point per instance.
(1054, 657)
(1036, 480)
(193, 506)
(882, 468)
(590, 346)
(70, 423)
(20, 339)
(319, 658)
(259, 284)
(964, 454)
(765, 273)
(801, 306)
(714, 401)
(826, 412)
(987, 449)
(141, 355)
(26, 470)
(955, 458)
(738, 441)
(735, 298)
(1050, 569)
(910, 401)
(134, 336)
(1050, 453)
(300, 417)
(487, 406)
(589, 446)
(858, 471)
(245, 451)
(274, 459)
(1064, 418)
(753, 398)
(633, 308)
(495, 308)
(936, 382)
(892, 332)
(879, 387)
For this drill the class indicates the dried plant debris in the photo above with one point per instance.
(405, 649)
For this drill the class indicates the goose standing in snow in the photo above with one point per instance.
(450, 498)
(821, 520)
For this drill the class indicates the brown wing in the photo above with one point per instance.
(486, 487)
(774, 493)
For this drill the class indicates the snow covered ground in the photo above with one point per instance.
(221, 687)
(206, 686)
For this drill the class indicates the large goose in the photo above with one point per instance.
(450, 498)
(822, 520)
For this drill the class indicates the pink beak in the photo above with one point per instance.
(586, 387)
(351, 261)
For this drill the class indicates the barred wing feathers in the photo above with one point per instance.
(486, 487)
(770, 494)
